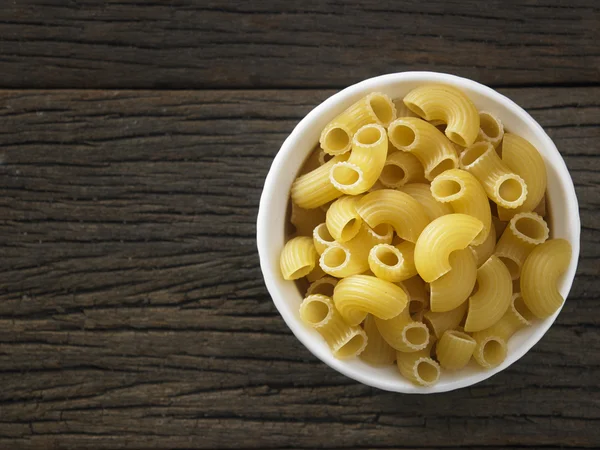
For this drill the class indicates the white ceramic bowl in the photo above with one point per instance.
(564, 221)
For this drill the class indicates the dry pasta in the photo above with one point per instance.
(453, 288)
(314, 189)
(298, 258)
(418, 367)
(454, 349)
(401, 168)
(403, 333)
(422, 193)
(343, 222)
(377, 352)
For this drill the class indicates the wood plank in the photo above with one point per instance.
(277, 43)
(133, 312)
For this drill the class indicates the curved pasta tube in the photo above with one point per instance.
(358, 295)
(376, 107)
(439, 322)
(465, 194)
(451, 106)
(305, 220)
(540, 274)
(503, 186)
(400, 210)
(403, 333)
(524, 232)
(418, 296)
(377, 352)
(483, 251)
(345, 341)
(402, 110)
(490, 351)
(322, 286)
(511, 322)
(454, 349)
(523, 159)
(401, 168)
(452, 289)
(435, 152)
(421, 193)
(418, 367)
(298, 258)
(490, 129)
(392, 263)
(322, 238)
(314, 189)
(492, 299)
(440, 238)
(342, 220)
(361, 171)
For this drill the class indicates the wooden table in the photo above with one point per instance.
(135, 140)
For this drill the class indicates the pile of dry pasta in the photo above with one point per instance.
(419, 224)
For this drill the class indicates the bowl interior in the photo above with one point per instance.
(561, 201)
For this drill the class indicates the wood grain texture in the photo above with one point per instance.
(280, 43)
(133, 312)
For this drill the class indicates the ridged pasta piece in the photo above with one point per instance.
(490, 129)
(312, 162)
(322, 238)
(418, 296)
(418, 367)
(324, 157)
(440, 322)
(523, 159)
(483, 251)
(502, 185)
(464, 193)
(363, 168)
(401, 168)
(490, 351)
(345, 341)
(403, 333)
(358, 295)
(322, 286)
(418, 137)
(511, 322)
(305, 220)
(343, 221)
(492, 298)
(451, 106)
(392, 263)
(439, 239)
(454, 349)
(540, 275)
(421, 193)
(376, 107)
(377, 352)
(402, 110)
(524, 232)
(400, 210)
(315, 274)
(298, 258)
(314, 189)
(452, 289)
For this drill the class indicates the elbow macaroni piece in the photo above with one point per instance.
(451, 106)
(342, 220)
(314, 189)
(358, 295)
(392, 263)
(418, 367)
(449, 320)
(402, 110)
(322, 286)
(403, 333)
(440, 238)
(454, 349)
(483, 251)
(298, 258)
(421, 193)
(376, 108)
(490, 351)
(511, 322)
(490, 129)
(452, 289)
(540, 274)
(401, 168)
(322, 238)
(435, 152)
(377, 352)
(492, 299)
(466, 196)
(398, 209)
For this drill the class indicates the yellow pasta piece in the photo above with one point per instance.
(400, 210)
(452, 289)
(314, 189)
(358, 295)
(401, 168)
(305, 220)
(377, 352)
(315, 274)
(490, 351)
(298, 258)
(421, 193)
(454, 349)
(492, 298)
(345, 341)
(322, 286)
(449, 105)
(465, 194)
(402, 110)
(312, 162)
(440, 322)
(490, 129)
(403, 333)
(418, 367)
(511, 322)
(440, 238)
(523, 233)
(523, 159)
(389, 263)
(363, 168)
(343, 221)
(503, 186)
(376, 108)
(435, 152)
(324, 157)
(540, 275)
(322, 238)
(418, 296)
(483, 251)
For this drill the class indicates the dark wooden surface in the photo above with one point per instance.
(132, 308)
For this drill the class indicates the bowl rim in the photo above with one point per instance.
(263, 230)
